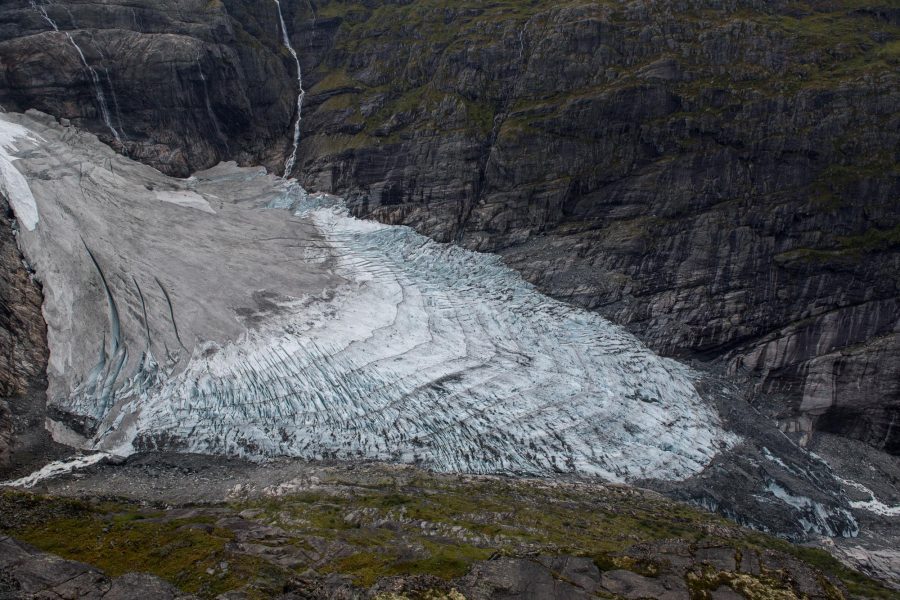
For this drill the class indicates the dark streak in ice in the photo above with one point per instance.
(113, 309)
(143, 309)
(171, 311)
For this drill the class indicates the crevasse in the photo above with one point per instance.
(433, 354)
(234, 313)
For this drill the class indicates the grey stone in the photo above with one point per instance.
(580, 571)
(720, 558)
(522, 579)
(30, 573)
(726, 593)
(634, 586)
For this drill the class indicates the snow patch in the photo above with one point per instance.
(873, 504)
(185, 198)
(13, 184)
(814, 516)
(57, 468)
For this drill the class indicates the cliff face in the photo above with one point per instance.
(722, 177)
(181, 85)
(23, 359)
(725, 182)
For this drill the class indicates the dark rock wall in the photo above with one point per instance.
(23, 359)
(185, 85)
(720, 176)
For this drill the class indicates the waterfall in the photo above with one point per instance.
(98, 90)
(95, 78)
(112, 93)
(209, 110)
(289, 163)
(43, 12)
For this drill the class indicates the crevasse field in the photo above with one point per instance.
(233, 312)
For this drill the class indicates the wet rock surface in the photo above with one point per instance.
(179, 85)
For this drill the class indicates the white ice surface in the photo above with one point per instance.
(185, 198)
(57, 468)
(13, 184)
(434, 354)
(302, 331)
(873, 504)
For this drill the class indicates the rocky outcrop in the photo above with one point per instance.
(23, 359)
(720, 176)
(705, 179)
(179, 85)
(377, 531)
(30, 573)
(666, 571)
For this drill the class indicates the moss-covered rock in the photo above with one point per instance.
(406, 532)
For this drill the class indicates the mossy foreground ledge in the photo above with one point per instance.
(386, 531)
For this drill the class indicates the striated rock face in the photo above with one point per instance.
(179, 85)
(724, 182)
(23, 357)
(721, 177)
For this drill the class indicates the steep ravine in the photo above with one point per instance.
(721, 177)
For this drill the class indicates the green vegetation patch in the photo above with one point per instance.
(406, 524)
(764, 587)
(857, 584)
(190, 553)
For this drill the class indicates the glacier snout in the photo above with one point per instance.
(188, 314)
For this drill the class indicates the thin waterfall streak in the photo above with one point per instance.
(43, 12)
(95, 78)
(292, 159)
(98, 90)
(209, 110)
(115, 99)
(112, 89)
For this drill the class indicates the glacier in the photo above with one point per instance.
(235, 313)
(13, 184)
